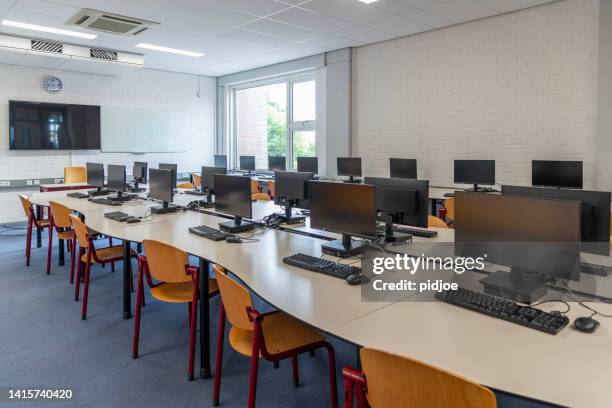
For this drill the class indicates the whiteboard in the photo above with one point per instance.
(136, 130)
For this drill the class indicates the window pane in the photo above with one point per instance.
(303, 145)
(304, 101)
(261, 122)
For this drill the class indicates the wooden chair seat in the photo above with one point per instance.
(281, 333)
(66, 235)
(185, 185)
(180, 292)
(43, 223)
(109, 254)
(260, 197)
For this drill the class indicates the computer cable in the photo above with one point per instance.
(582, 303)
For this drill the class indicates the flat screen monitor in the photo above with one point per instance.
(403, 168)
(277, 163)
(308, 164)
(414, 214)
(95, 174)
(475, 172)
(348, 209)
(292, 185)
(208, 177)
(171, 167)
(594, 213)
(139, 172)
(161, 184)
(247, 163)
(53, 126)
(547, 173)
(349, 166)
(116, 178)
(220, 160)
(233, 195)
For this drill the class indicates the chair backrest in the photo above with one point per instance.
(27, 205)
(272, 188)
(449, 204)
(185, 185)
(255, 187)
(260, 197)
(80, 229)
(236, 300)
(436, 222)
(166, 263)
(75, 174)
(197, 180)
(395, 381)
(61, 215)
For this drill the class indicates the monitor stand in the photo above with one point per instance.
(518, 285)
(99, 192)
(289, 218)
(136, 189)
(395, 237)
(353, 180)
(345, 247)
(208, 200)
(236, 226)
(122, 198)
(165, 208)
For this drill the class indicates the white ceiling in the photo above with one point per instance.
(237, 35)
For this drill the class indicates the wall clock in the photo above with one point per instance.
(53, 84)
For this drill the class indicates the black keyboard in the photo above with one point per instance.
(315, 264)
(551, 323)
(594, 269)
(194, 192)
(416, 232)
(123, 198)
(209, 233)
(95, 193)
(117, 216)
(105, 201)
(78, 195)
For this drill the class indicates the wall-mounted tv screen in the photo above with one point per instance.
(53, 126)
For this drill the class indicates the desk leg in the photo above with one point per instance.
(357, 357)
(39, 213)
(127, 277)
(61, 252)
(204, 321)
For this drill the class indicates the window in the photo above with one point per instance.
(275, 119)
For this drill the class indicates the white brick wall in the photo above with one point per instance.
(140, 89)
(512, 88)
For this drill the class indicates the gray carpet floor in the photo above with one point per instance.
(43, 343)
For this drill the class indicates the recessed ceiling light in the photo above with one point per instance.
(367, 1)
(170, 50)
(52, 30)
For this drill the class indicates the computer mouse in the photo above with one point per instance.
(132, 220)
(356, 279)
(233, 240)
(586, 324)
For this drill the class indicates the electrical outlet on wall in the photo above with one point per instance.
(58, 181)
(5, 183)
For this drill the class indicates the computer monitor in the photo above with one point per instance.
(139, 172)
(475, 172)
(95, 175)
(220, 160)
(291, 188)
(539, 239)
(548, 173)
(349, 167)
(403, 168)
(277, 163)
(348, 209)
(308, 164)
(247, 163)
(161, 187)
(208, 180)
(116, 179)
(233, 196)
(594, 213)
(171, 167)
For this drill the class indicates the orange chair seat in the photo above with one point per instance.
(260, 197)
(109, 254)
(281, 333)
(43, 223)
(66, 234)
(180, 292)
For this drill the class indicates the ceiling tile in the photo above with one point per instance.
(260, 8)
(256, 38)
(271, 27)
(459, 11)
(312, 20)
(201, 11)
(364, 34)
(398, 25)
(333, 42)
(400, 8)
(350, 10)
(504, 6)
(46, 8)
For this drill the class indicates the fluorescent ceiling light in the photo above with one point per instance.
(52, 30)
(367, 1)
(170, 50)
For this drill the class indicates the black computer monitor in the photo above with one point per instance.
(308, 164)
(139, 172)
(403, 168)
(171, 167)
(594, 213)
(95, 175)
(247, 163)
(539, 239)
(475, 172)
(116, 179)
(277, 163)
(233, 196)
(548, 173)
(417, 217)
(220, 160)
(349, 167)
(208, 180)
(348, 209)
(291, 189)
(161, 187)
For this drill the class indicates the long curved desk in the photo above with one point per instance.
(495, 353)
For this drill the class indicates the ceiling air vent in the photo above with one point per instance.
(106, 55)
(47, 46)
(110, 23)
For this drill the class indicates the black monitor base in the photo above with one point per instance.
(99, 192)
(519, 286)
(137, 190)
(398, 237)
(294, 219)
(345, 247)
(122, 198)
(164, 209)
(235, 228)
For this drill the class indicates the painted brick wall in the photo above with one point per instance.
(512, 88)
(140, 89)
